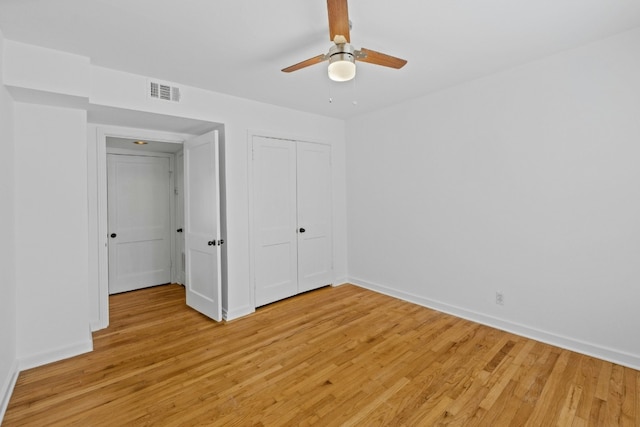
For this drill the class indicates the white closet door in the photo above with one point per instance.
(275, 247)
(139, 222)
(202, 225)
(314, 216)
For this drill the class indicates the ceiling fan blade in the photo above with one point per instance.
(373, 57)
(311, 61)
(338, 19)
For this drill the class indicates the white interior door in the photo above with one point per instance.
(274, 206)
(138, 192)
(202, 225)
(314, 216)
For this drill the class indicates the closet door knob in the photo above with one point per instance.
(113, 235)
(211, 243)
(302, 230)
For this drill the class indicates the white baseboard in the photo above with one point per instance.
(97, 325)
(8, 384)
(237, 313)
(55, 355)
(340, 281)
(590, 349)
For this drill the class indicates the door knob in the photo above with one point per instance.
(211, 243)
(302, 230)
(113, 235)
(179, 230)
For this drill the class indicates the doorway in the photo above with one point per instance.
(119, 140)
(167, 142)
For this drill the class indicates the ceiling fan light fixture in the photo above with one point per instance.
(342, 67)
(342, 62)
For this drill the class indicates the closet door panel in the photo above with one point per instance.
(314, 216)
(275, 251)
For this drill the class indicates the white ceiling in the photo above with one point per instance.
(238, 47)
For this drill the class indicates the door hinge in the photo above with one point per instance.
(175, 191)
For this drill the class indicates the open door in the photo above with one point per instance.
(202, 225)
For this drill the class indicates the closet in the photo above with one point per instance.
(291, 227)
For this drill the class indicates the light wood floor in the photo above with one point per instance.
(337, 356)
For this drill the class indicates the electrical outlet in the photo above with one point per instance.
(499, 298)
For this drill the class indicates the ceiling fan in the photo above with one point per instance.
(342, 55)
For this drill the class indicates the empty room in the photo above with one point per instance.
(321, 212)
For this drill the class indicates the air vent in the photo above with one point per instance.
(164, 91)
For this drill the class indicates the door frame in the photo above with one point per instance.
(98, 231)
(178, 176)
(252, 238)
(173, 206)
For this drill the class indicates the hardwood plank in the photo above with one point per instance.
(502, 379)
(602, 388)
(335, 356)
(629, 395)
(549, 405)
(615, 398)
(569, 407)
(588, 380)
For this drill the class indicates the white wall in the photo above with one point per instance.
(64, 73)
(8, 364)
(526, 182)
(51, 233)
